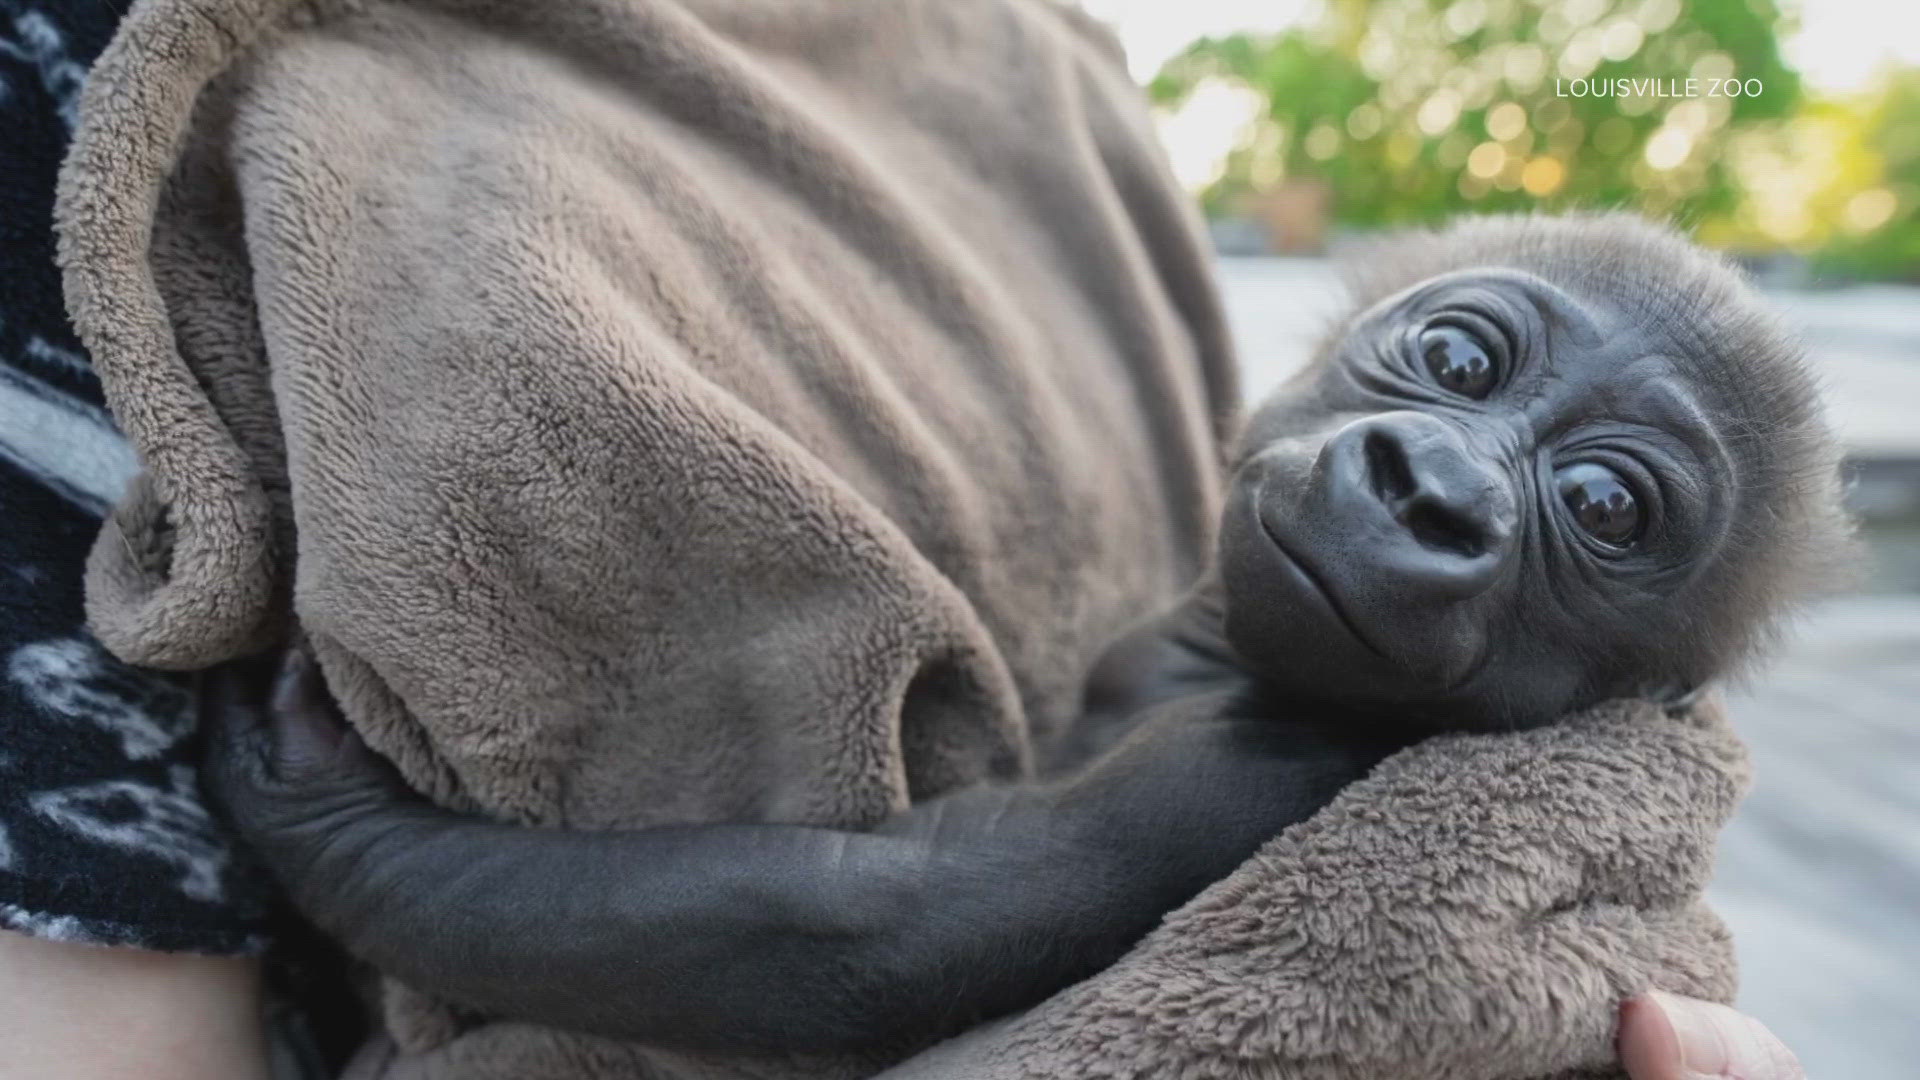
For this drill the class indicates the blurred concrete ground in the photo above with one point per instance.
(1819, 874)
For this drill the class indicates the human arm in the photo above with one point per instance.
(759, 935)
(85, 1012)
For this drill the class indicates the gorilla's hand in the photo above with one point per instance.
(761, 936)
(300, 785)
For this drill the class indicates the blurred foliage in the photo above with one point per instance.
(1411, 110)
(1879, 219)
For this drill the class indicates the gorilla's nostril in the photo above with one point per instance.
(1387, 469)
(1430, 483)
(1440, 527)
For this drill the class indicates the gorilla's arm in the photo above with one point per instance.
(1180, 653)
(763, 936)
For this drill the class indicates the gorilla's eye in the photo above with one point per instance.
(1457, 360)
(1600, 501)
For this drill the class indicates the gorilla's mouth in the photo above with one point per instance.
(1319, 585)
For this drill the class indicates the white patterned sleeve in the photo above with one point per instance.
(103, 834)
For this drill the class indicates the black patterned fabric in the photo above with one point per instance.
(103, 836)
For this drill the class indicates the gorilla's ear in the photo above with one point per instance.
(1677, 700)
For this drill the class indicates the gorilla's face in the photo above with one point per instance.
(1473, 507)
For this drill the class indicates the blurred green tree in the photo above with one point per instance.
(1879, 226)
(1410, 110)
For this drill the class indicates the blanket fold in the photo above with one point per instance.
(664, 411)
(1475, 908)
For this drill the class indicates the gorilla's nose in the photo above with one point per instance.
(1452, 503)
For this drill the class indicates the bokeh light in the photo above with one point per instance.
(1401, 111)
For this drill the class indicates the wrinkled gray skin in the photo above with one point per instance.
(1393, 544)
(1521, 479)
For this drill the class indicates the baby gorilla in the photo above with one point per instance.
(1546, 462)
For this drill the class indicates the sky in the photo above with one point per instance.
(1839, 47)
(1841, 43)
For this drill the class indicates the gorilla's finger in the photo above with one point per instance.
(231, 701)
(313, 744)
(307, 729)
(232, 698)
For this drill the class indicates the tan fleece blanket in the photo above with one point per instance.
(767, 409)
(1472, 910)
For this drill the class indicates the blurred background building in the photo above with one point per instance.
(1797, 150)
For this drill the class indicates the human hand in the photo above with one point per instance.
(1667, 1037)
